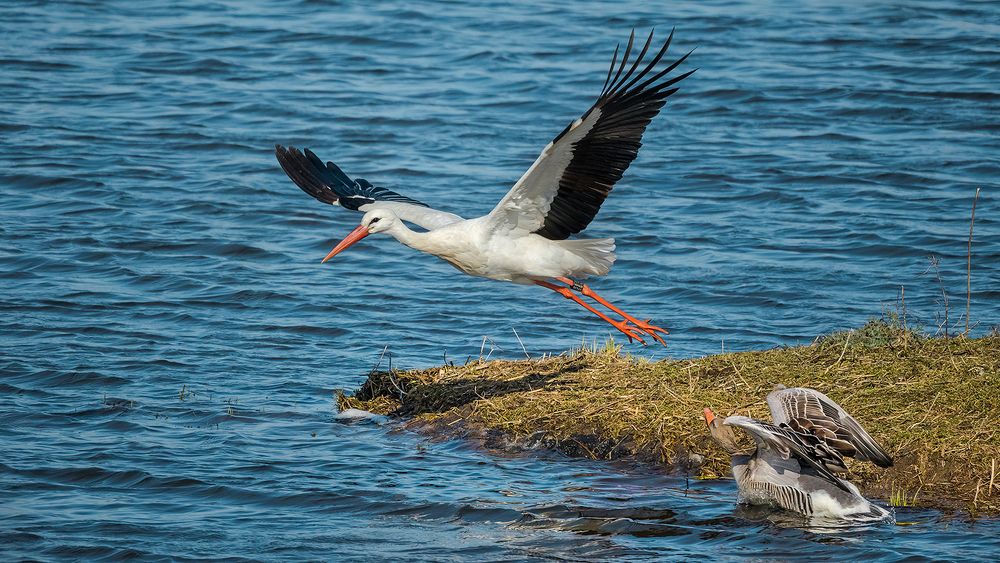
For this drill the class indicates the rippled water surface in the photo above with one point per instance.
(170, 344)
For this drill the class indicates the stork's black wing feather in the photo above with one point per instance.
(329, 184)
(626, 106)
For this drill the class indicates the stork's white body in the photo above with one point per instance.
(477, 248)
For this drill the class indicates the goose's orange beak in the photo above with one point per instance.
(709, 416)
(356, 235)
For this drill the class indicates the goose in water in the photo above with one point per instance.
(798, 455)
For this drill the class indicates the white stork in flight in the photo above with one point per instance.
(525, 239)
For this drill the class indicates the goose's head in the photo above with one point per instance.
(722, 434)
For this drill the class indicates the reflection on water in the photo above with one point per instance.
(815, 524)
(170, 345)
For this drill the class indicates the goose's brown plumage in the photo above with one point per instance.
(796, 457)
(809, 412)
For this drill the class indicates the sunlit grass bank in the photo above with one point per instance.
(934, 403)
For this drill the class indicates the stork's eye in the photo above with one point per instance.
(375, 220)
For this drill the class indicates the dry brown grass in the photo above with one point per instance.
(934, 403)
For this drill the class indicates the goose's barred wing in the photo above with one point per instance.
(808, 411)
(329, 184)
(785, 482)
(809, 450)
(563, 190)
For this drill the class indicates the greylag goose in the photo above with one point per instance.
(797, 457)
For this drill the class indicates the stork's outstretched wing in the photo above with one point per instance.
(563, 190)
(807, 410)
(330, 185)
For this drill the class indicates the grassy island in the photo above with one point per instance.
(933, 402)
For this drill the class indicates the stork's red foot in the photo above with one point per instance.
(644, 326)
(650, 329)
(628, 330)
(632, 331)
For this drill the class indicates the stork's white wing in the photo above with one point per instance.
(563, 190)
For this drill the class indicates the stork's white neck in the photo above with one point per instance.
(409, 237)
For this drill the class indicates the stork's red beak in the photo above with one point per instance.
(356, 235)
(709, 416)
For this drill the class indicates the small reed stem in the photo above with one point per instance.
(968, 265)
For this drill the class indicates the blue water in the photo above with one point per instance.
(170, 343)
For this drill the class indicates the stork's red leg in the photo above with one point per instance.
(623, 326)
(641, 325)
